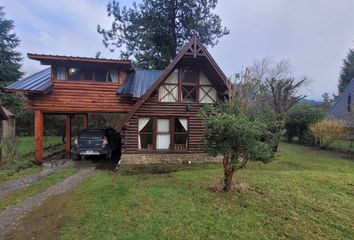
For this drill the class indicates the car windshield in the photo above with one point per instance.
(92, 133)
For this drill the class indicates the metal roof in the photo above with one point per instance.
(339, 110)
(39, 82)
(35, 56)
(138, 82)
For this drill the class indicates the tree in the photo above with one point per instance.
(299, 118)
(283, 88)
(347, 71)
(234, 133)
(10, 64)
(326, 101)
(155, 30)
(10, 58)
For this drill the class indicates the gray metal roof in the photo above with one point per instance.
(138, 82)
(39, 82)
(339, 110)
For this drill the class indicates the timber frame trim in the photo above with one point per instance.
(193, 48)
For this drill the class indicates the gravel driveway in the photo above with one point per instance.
(11, 216)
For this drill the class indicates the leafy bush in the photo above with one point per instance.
(326, 131)
(234, 133)
(298, 119)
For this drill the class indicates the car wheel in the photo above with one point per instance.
(77, 157)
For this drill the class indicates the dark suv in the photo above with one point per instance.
(96, 141)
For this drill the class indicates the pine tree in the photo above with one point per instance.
(155, 30)
(10, 64)
(347, 72)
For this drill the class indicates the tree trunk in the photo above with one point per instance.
(228, 174)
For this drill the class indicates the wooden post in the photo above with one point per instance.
(68, 136)
(38, 136)
(85, 125)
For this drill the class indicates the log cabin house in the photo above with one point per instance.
(162, 106)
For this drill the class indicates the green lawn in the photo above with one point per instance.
(304, 194)
(26, 144)
(22, 164)
(341, 144)
(22, 193)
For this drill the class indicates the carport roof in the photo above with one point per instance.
(39, 82)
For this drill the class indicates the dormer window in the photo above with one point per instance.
(74, 74)
(86, 74)
(61, 75)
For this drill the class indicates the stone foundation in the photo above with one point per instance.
(168, 158)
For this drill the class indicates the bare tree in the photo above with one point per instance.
(282, 87)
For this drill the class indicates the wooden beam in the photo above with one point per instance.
(68, 136)
(38, 136)
(85, 125)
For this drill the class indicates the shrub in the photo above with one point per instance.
(298, 119)
(326, 131)
(231, 131)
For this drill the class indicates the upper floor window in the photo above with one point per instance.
(74, 74)
(86, 74)
(187, 85)
(189, 79)
(168, 92)
(61, 75)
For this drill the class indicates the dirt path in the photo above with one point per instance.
(48, 169)
(10, 217)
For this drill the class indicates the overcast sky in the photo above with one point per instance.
(314, 35)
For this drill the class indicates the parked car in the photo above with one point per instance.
(96, 141)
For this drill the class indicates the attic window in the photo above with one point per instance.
(168, 92)
(189, 78)
(349, 102)
(207, 94)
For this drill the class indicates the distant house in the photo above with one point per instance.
(343, 108)
(162, 122)
(8, 125)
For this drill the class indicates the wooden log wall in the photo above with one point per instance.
(152, 107)
(81, 97)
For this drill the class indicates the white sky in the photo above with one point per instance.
(314, 35)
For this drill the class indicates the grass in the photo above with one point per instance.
(26, 144)
(342, 144)
(22, 164)
(19, 195)
(304, 194)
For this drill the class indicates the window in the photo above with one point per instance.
(207, 94)
(61, 73)
(168, 92)
(349, 102)
(180, 133)
(189, 78)
(163, 133)
(145, 140)
(100, 75)
(113, 76)
(189, 86)
(163, 137)
(74, 74)
(87, 74)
